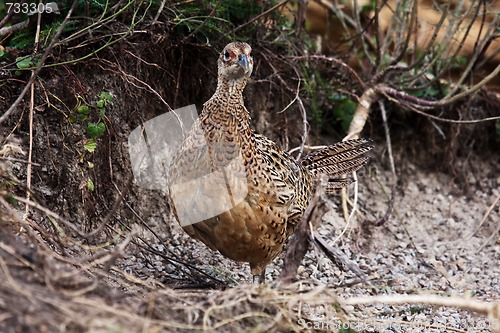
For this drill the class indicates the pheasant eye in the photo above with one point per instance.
(227, 56)
(251, 54)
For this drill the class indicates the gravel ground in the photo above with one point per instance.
(432, 243)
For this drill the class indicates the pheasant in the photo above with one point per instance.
(236, 190)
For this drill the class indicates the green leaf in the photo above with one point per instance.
(2, 52)
(10, 199)
(368, 7)
(82, 158)
(102, 113)
(95, 130)
(90, 185)
(90, 146)
(105, 99)
(344, 112)
(11, 182)
(83, 112)
(106, 96)
(24, 62)
(83, 109)
(90, 165)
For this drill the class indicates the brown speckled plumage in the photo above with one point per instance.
(279, 188)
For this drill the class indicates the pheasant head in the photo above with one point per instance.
(226, 106)
(235, 62)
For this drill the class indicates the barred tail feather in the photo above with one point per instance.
(336, 184)
(341, 168)
(338, 160)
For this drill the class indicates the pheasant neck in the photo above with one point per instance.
(232, 87)
(226, 107)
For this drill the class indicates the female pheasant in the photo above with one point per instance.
(237, 191)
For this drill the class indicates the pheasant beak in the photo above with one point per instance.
(243, 62)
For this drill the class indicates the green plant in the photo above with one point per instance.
(24, 62)
(90, 185)
(92, 117)
(8, 186)
(197, 16)
(97, 129)
(343, 110)
(324, 98)
(25, 38)
(93, 129)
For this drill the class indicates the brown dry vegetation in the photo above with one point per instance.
(111, 259)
